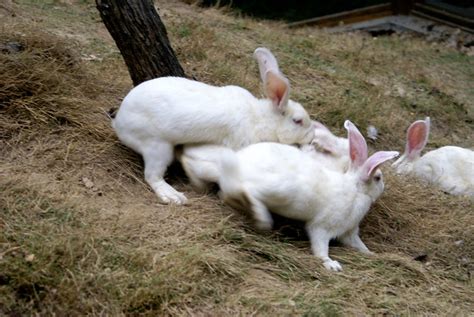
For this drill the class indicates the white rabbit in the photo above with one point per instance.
(161, 113)
(201, 162)
(285, 180)
(450, 167)
(328, 149)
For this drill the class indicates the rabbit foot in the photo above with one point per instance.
(332, 265)
(264, 225)
(169, 195)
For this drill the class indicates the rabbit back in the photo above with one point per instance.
(450, 167)
(182, 111)
(290, 182)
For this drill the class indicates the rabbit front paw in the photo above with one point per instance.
(169, 195)
(264, 225)
(332, 265)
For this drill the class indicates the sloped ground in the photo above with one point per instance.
(82, 233)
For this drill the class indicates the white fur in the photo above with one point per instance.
(329, 150)
(161, 113)
(201, 162)
(287, 181)
(450, 167)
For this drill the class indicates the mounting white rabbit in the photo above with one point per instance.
(450, 167)
(201, 162)
(161, 113)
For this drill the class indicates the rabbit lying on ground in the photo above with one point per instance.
(161, 113)
(450, 167)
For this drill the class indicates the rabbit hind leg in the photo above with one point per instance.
(157, 156)
(263, 218)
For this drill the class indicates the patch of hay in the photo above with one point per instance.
(43, 84)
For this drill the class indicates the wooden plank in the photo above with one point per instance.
(352, 16)
(442, 16)
(441, 21)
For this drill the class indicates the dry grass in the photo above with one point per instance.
(81, 233)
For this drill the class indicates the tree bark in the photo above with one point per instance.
(141, 38)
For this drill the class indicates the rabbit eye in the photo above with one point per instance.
(377, 178)
(298, 121)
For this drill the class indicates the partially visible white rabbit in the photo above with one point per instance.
(450, 167)
(161, 113)
(328, 149)
(201, 162)
(287, 181)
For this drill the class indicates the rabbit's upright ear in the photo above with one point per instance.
(266, 61)
(417, 137)
(374, 161)
(277, 86)
(357, 145)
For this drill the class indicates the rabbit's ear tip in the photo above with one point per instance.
(261, 50)
(348, 124)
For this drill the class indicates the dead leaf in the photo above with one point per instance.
(87, 182)
(401, 91)
(459, 243)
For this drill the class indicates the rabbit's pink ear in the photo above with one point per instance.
(266, 61)
(417, 137)
(374, 161)
(357, 145)
(277, 89)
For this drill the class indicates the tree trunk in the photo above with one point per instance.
(141, 38)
